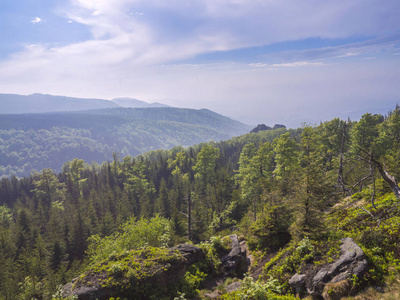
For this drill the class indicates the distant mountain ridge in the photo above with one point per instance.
(35, 141)
(40, 103)
(43, 103)
(203, 117)
(135, 103)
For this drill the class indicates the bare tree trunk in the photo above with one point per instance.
(371, 169)
(384, 173)
(387, 177)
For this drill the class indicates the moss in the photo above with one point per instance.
(131, 273)
(335, 291)
(375, 230)
(258, 291)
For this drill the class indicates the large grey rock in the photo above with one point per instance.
(161, 277)
(297, 282)
(191, 253)
(351, 262)
(234, 286)
(236, 259)
(86, 292)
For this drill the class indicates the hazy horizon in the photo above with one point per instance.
(268, 62)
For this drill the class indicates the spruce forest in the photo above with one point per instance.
(293, 196)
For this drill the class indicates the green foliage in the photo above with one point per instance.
(288, 261)
(192, 281)
(379, 239)
(5, 216)
(38, 141)
(286, 156)
(264, 185)
(133, 235)
(129, 272)
(206, 164)
(220, 244)
(58, 295)
(365, 134)
(212, 260)
(257, 290)
(255, 172)
(271, 229)
(48, 189)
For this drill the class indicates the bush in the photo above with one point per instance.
(271, 229)
(133, 235)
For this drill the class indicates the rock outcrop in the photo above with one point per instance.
(351, 262)
(297, 282)
(235, 261)
(154, 273)
(149, 272)
(191, 253)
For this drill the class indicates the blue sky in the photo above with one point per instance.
(258, 61)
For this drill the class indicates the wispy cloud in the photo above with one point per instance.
(299, 64)
(36, 20)
(370, 47)
(201, 26)
(136, 47)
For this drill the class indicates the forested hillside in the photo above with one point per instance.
(292, 194)
(37, 141)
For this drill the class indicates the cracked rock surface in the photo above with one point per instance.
(351, 262)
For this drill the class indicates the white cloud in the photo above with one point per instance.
(207, 26)
(132, 54)
(258, 65)
(36, 20)
(348, 54)
(370, 47)
(299, 64)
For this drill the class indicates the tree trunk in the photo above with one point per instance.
(387, 177)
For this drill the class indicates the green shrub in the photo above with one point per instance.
(256, 290)
(133, 235)
(270, 230)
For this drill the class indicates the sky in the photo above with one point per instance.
(257, 61)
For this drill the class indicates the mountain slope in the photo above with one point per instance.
(135, 103)
(38, 103)
(38, 141)
(202, 117)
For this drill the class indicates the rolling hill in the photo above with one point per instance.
(46, 140)
(134, 103)
(39, 103)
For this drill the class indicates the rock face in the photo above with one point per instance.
(160, 276)
(85, 292)
(235, 260)
(351, 262)
(260, 127)
(297, 282)
(166, 271)
(191, 253)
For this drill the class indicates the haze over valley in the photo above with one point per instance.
(43, 131)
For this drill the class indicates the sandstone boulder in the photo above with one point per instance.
(351, 262)
(191, 253)
(235, 261)
(147, 272)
